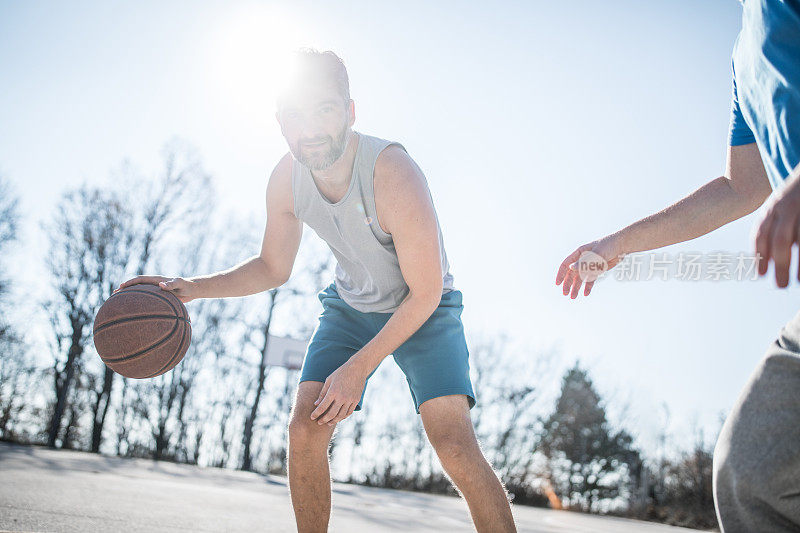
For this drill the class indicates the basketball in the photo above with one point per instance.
(142, 331)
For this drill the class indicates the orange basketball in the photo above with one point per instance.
(142, 331)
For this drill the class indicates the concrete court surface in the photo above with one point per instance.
(54, 490)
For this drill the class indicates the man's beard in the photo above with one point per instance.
(322, 160)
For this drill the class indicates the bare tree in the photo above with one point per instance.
(9, 227)
(17, 377)
(16, 373)
(97, 236)
(179, 199)
(167, 409)
(313, 267)
(261, 377)
(89, 245)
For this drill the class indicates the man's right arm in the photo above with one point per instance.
(269, 269)
(272, 267)
(742, 189)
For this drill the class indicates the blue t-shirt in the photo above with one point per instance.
(766, 84)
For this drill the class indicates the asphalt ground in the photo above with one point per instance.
(56, 490)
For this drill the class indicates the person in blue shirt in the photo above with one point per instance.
(757, 457)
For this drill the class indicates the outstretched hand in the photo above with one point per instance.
(182, 288)
(778, 231)
(587, 263)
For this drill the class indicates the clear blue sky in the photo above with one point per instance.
(539, 125)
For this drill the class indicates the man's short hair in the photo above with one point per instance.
(310, 66)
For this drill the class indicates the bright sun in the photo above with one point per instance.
(249, 53)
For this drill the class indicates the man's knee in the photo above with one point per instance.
(738, 454)
(755, 469)
(751, 496)
(303, 432)
(756, 463)
(308, 434)
(457, 455)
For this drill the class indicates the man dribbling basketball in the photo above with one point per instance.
(393, 292)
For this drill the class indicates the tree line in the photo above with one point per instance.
(223, 406)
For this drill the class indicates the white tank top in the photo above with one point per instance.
(368, 276)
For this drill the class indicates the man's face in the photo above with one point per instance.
(315, 122)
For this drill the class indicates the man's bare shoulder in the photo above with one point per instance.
(279, 187)
(283, 169)
(397, 172)
(401, 191)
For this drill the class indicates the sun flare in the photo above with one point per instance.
(251, 54)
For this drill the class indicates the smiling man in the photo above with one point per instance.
(392, 294)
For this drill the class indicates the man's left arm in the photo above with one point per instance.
(405, 210)
(780, 230)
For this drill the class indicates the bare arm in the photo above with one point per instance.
(271, 268)
(742, 189)
(405, 210)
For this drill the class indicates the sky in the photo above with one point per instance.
(540, 126)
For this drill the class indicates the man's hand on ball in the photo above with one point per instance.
(184, 289)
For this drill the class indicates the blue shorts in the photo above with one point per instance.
(434, 359)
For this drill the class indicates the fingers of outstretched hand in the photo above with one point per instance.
(572, 283)
(563, 269)
(776, 235)
(763, 236)
(588, 288)
(576, 286)
(782, 237)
